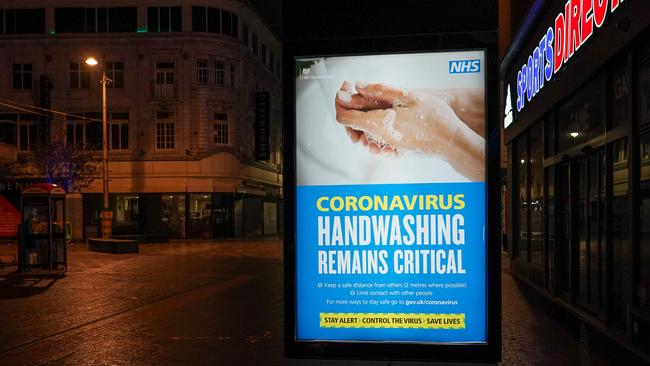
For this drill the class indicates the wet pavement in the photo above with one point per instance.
(204, 303)
(533, 335)
(177, 304)
(536, 332)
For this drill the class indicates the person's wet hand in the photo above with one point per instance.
(413, 120)
(348, 98)
(396, 117)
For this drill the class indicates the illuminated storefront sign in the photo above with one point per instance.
(508, 118)
(570, 31)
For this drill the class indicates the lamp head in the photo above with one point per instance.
(91, 61)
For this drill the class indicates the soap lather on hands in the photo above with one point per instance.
(448, 123)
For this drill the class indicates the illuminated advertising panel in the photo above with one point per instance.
(390, 198)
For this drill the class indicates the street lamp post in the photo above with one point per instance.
(107, 214)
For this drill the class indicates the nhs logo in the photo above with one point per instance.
(464, 66)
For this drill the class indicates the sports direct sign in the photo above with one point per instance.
(570, 31)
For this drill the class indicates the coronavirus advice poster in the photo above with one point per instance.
(390, 198)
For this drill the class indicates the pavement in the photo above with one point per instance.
(191, 303)
(533, 335)
(206, 303)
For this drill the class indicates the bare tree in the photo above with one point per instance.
(71, 167)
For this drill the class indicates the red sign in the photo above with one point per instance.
(9, 219)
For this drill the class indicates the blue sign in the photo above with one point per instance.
(390, 199)
(464, 66)
(406, 261)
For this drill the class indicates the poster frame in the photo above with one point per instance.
(490, 351)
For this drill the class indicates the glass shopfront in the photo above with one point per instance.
(568, 252)
(619, 226)
(643, 289)
(589, 174)
(529, 246)
(642, 293)
(173, 214)
(200, 216)
(582, 118)
(126, 213)
(521, 245)
(581, 212)
(580, 179)
(186, 215)
(222, 215)
(536, 201)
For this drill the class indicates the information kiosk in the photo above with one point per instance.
(42, 236)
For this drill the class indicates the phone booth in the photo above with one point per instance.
(42, 235)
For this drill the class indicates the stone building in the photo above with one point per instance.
(181, 109)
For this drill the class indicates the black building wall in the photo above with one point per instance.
(365, 18)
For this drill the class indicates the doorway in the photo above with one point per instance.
(591, 227)
(564, 231)
(200, 219)
(581, 254)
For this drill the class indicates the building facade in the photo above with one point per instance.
(185, 78)
(576, 112)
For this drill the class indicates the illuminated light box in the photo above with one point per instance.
(391, 187)
(390, 198)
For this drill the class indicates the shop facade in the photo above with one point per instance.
(182, 215)
(576, 111)
(192, 151)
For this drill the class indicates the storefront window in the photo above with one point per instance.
(597, 230)
(549, 221)
(238, 217)
(126, 213)
(200, 216)
(173, 214)
(536, 202)
(643, 291)
(222, 214)
(92, 207)
(582, 194)
(582, 117)
(589, 173)
(644, 92)
(620, 93)
(620, 227)
(253, 216)
(564, 229)
(522, 167)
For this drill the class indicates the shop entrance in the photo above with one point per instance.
(581, 241)
(591, 246)
(200, 216)
(564, 231)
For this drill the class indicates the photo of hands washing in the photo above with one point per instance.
(389, 119)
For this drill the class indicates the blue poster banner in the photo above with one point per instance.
(391, 262)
